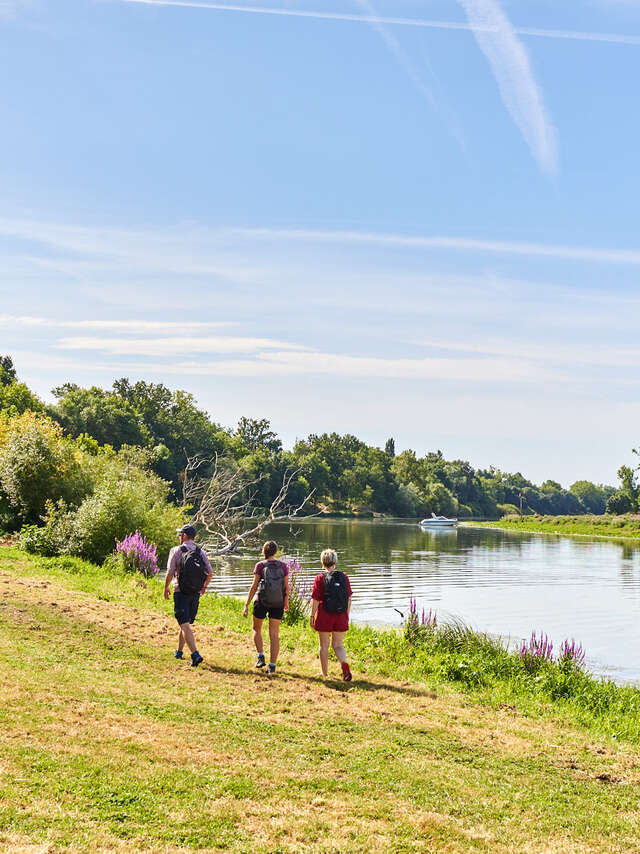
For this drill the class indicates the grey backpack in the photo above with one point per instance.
(271, 590)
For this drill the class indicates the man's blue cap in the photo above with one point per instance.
(189, 530)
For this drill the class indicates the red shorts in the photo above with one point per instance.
(326, 622)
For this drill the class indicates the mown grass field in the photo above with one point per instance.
(594, 526)
(109, 744)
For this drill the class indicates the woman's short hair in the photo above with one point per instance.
(329, 558)
(269, 548)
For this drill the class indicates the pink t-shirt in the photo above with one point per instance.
(259, 567)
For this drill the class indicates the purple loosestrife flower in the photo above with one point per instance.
(417, 624)
(429, 620)
(138, 554)
(572, 653)
(536, 650)
(299, 591)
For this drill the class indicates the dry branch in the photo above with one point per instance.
(223, 503)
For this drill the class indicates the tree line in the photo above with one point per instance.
(54, 458)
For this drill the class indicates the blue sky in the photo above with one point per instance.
(409, 219)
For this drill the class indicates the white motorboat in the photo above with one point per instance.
(438, 522)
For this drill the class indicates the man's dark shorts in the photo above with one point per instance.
(185, 606)
(260, 612)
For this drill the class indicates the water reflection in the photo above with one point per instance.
(502, 582)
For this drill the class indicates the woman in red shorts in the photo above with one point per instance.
(330, 606)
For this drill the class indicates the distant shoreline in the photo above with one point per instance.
(602, 527)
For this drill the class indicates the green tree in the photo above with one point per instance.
(390, 447)
(7, 371)
(593, 497)
(257, 435)
(104, 415)
(629, 487)
(16, 398)
(172, 419)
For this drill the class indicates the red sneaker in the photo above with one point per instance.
(346, 673)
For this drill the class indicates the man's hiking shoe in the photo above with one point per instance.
(271, 668)
(177, 653)
(346, 673)
(196, 659)
(260, 662)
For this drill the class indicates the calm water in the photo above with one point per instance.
(501, 582)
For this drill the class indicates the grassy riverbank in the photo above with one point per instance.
(595, 526)
(108, 743)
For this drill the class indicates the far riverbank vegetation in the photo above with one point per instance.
(99, 464)
(598, 526)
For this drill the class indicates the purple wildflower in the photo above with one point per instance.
(300, 589)
(417, 623)
(536, 650)
(138, 554)
(572, 653)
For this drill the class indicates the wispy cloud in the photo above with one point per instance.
(159, 327)
(490, 360)
(512, 69)
(573, 35)
(172, 346)
(570, 355)
(460, 244)
(214, 251)
(343, 366)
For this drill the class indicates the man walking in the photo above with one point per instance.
(189, 568)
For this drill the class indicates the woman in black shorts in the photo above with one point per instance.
(271, 580)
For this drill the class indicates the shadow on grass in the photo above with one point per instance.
(334, 684)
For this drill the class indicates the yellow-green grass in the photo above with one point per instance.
(627, 527)
(109, 744)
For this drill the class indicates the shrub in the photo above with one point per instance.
(122, 497)
(38, 464)
(115, 508)
(39, 540)
(508, 510)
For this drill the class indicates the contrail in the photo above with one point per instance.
(395, 49)
(512, 69)
(572, 35)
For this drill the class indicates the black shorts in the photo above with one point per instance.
(260, 612)
(185, 606)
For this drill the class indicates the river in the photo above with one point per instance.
(502, 582)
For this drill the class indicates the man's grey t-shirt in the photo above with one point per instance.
(174, 561)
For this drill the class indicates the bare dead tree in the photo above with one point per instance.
(223, 503)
